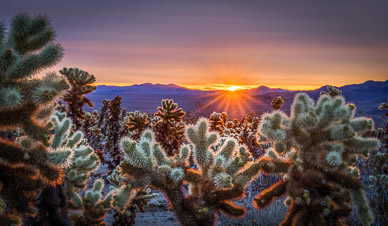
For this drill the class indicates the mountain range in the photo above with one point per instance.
(147, 97)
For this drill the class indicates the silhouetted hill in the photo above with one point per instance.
(146, 97)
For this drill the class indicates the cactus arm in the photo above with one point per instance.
(31, 64)
(345, 180)
(242, 178)
(274, 166)
(362, 206)
(292, 210)
(230, 209)
(12, 152)
(232, 193)
(193, 176)
(268, 195)
(301, 218)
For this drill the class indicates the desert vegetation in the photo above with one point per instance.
(63, 165)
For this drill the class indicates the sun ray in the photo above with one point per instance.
(234, 100)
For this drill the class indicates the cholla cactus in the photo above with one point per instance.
(60, 106)
(217, 121)
(103, 114)
(377, 179)
(83, 162)
(94, 207)
(277, 103)
(81, 84)
(113, 127)
(52, 201)
(333, 92)
(246, 132)
(316, 148)
(126, 199)
(250, 137)
(222, 176)
(135, 123)
(383, 106)
(169, 127)
(26, 103)
(91, 130)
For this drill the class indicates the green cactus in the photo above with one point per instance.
(319, 176)
(81, 84)
(83, 161)
(94, 207)
(169, 127)
(71, 152)
(222, 175)
(25, 103)
(126, 199)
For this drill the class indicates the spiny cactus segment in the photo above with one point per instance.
(221, 177)
(135, 123)
(316, 149)
(277, 103)
(81, 84)
(217, 121)
(26, 103)
(169, 127)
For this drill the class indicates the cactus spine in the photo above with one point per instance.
(25, 103)
(81, 84)
(324, 140)
(221, 177)
(169, 127)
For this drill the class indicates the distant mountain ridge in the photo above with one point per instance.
(146, 97)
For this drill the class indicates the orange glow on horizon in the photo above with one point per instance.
(233, 88)
(230, 101)
(224, 87)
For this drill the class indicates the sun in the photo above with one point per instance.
(233, 88)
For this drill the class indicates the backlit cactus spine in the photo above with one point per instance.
(113, 128)
(77, 172)
(26, 103)
(316, 149)
(81, 84)
(52, 202)
(126, 199)
(384, 106)
(135, 123)
(378, 184)
(217, 121)
(222, 176)
(169, 127)
(94, 207)
(277, 103)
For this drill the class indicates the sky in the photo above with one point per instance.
(210, 44)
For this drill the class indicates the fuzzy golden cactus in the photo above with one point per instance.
(169, 127)
(217, 121)
(135, 123)
(316, 149)
(222, 176)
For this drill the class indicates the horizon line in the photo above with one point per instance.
(225, 87)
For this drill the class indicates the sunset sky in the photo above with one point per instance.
(209, 44)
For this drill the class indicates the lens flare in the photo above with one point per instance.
(233, 88)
